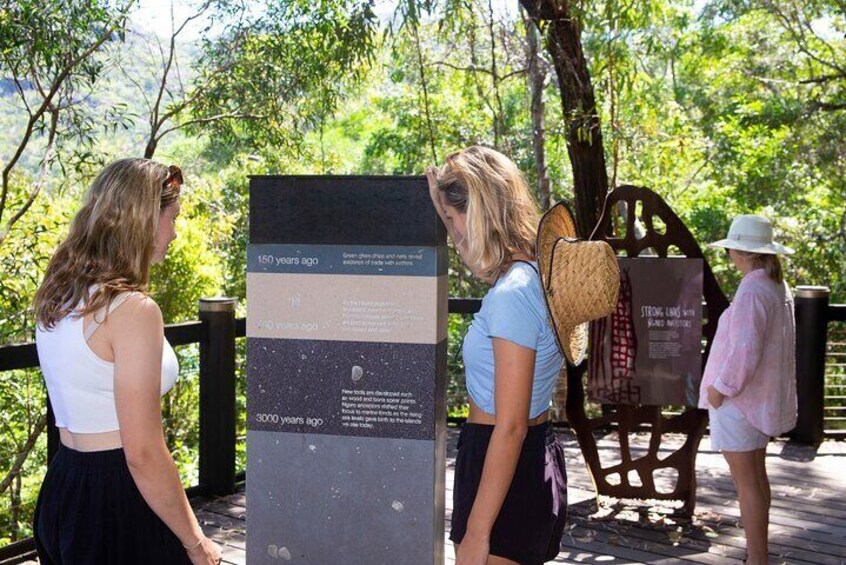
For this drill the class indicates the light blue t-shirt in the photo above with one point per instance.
(513, 309)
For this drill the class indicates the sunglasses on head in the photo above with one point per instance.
(174, 177)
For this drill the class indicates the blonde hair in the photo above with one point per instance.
(110, 243)
(502, 215)
(769, 262)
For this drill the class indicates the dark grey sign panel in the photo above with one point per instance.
(346, 395)
(347, 259)
(344, 388)
(319, 499)
(342, 210)
(649, 350)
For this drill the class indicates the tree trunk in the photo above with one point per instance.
(536, 81)
(150, 149)
(584, 136)
(15, 492)
(425, 88)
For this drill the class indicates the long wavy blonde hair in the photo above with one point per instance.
(502, 214)
(111, 241)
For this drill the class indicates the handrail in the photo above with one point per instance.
(24, 356)
(836, 314)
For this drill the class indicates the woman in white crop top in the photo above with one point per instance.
(510, 493)
(112, 493)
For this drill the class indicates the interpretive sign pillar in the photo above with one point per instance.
(346, 369)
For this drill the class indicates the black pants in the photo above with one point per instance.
(531, 521)
(90, 512)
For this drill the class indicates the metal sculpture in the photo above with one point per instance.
(663, 231)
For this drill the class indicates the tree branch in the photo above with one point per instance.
(19, 86)
(209, 119)
(155, 124)
(507, 76)
(470, 69)
(425, 85)
(797, 30)
(22, 455)
(158, 117)
(55, 86)
(823, 79)
(499, 126)
(828, 106)
(42, 175)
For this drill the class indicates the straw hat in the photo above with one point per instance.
(753, 234)
(581, 280)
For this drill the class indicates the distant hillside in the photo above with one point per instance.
(140, 60)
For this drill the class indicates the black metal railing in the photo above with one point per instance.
(218, 329)
(216, 333)
(834, 402)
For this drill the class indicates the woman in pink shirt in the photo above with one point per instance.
(749, 385)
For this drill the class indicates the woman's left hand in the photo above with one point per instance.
(473, 550)
(715, 397)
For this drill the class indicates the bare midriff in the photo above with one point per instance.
(479, 416)
(90, 442)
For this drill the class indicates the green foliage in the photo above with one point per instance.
(769, 148)
(23, 257)
(738, 107)
(284, 72)
(50, 59)
(22, 400)
(835, 381)
(193, 268)
(43, 36)
(457, 402)
(181, 415)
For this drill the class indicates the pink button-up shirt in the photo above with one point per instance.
(753, 356)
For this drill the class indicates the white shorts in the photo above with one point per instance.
(731, 432)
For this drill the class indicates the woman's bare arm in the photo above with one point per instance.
(136, 335)
(514, 372)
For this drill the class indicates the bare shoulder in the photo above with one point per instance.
(137, 313)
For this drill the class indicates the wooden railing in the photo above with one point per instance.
(218, 328)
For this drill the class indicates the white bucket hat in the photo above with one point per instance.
(753, 234)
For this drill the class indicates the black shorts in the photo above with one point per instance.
(90, 512)
(531, 521)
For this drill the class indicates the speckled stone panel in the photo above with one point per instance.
(318, 500)
(345, 388)
(346, 339)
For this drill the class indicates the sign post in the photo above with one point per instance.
(346, 356)
(649, 350)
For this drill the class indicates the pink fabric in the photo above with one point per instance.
(753, 357)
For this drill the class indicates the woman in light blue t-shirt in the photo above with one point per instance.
(510, 494)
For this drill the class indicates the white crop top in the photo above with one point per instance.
(80, 383)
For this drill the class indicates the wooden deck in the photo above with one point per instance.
(808, 518)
